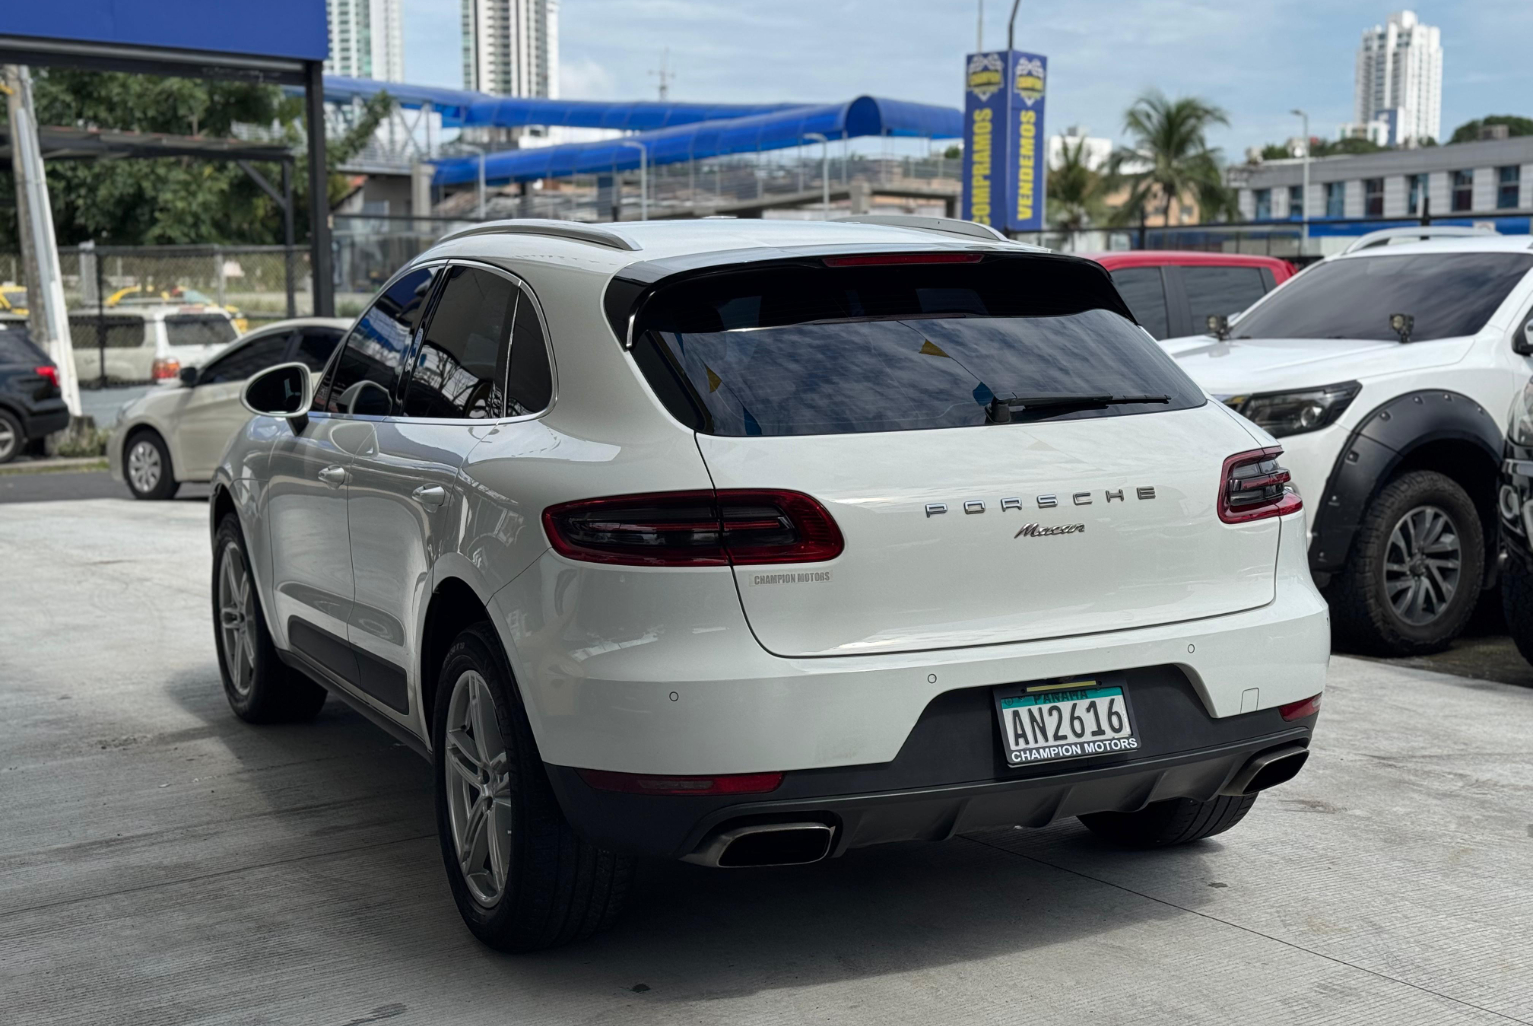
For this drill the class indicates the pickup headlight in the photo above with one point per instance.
(1293, 413)
(1519, 421)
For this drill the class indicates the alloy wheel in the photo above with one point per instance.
(236, 619)
(478, 789)
(144, 466)
(8, 440)
(1422, 563)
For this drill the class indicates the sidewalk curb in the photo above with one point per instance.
(55, 466)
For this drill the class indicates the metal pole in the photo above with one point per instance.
(979, 30)
(320, 265)
(287, 237)
(824, 169)
(481, 185)
(1304, 193)
(643, 176)
(1011, 26)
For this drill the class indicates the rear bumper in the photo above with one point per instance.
(882, 804)
(45, 418)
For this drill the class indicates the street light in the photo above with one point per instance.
(643, 176)
(824, 168)
(479, 150)
(1304, 194)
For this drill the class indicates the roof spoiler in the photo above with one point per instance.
(1385, 236)
(598, 234)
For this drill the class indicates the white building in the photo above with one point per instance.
(1400, 81)
(511, 47)
(366, 39)
(1094, 151)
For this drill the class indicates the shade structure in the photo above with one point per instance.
(775, 130)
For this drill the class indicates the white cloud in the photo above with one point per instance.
(583, 78)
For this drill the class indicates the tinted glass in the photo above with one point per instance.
(1447, 294)
(366, 377)
(121, 332)
(199, 330)
(1144, 292)
(16, 346)
(315, 346)
(1220, 290)
(531, 386)
(460, 370)
(255, 355)
(799, 351)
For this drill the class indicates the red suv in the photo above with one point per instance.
(1172, 292)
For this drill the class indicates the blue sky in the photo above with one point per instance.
(1256, 59)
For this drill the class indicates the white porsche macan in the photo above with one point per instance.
(753, 542)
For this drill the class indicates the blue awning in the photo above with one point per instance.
(781, 129)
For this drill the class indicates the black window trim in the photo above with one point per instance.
(409, 354)
(425, 322)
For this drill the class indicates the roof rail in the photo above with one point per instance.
(1384, 236)
(947, 225)
(599, 234)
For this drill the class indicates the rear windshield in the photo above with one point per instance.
(121, 332)
(16, 346)
(198, 330)
(1448, 294)
(802, 350)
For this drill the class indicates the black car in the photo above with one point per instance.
(31, 405)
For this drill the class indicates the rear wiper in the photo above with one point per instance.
(1000, 409)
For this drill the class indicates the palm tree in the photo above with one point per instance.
(1076, 193)
(1170, 159)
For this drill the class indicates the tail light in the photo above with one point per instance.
(1300, 709)
(50, 373)
(1254, 487)
(739, 526)
(644, 783)
(165, 368)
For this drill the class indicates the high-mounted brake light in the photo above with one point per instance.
(740, 526)
(883, 259)
(51, 373)
(1253, 486)
(646, 783)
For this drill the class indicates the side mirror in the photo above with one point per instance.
(1219, 326)
(188, 376)
(1522, 342)
(281, 391)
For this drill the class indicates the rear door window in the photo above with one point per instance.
(199, 330)
(1144, 290)
(460, 368)
(1224, 291)
(255, 355)
(366, 378)
(800, 350)
(530, 385)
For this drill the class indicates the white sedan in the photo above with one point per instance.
(178, 431)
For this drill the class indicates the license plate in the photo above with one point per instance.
(1050, 722)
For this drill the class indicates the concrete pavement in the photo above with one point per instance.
(160, 862)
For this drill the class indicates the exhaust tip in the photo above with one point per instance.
(766, 844)
(1267, 769)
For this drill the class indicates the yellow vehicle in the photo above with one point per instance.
(177, 294)
(13, 299)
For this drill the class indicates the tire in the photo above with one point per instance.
(146, 467)
(1517, 605)
(259, 686)
(1389, 559)
(12, 438)
(1178, 821)
(552, 887)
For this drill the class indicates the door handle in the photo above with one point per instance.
(333, 476)
(430, 495)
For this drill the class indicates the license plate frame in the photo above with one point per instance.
(1041, 695)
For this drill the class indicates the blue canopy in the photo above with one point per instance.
(780, 129)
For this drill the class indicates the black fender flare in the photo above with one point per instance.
(1379, 444)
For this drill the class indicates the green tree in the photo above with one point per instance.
(1169, 161)
(1469, 131)
(173, 199)
(1345, 147)
(1076, 195)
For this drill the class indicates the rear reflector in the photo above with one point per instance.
(50, 372)
(1300, 709)
(743, 526)
(885, 259)
(164, 369)
(639, 783)
(1253, 487)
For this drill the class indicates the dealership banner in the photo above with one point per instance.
(1004, 155)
